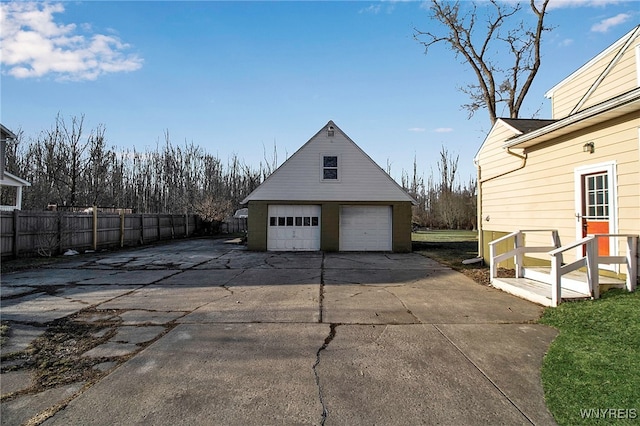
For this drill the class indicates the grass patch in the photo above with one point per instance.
(594, 363)
(449, 247)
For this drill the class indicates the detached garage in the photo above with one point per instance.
(331, 196)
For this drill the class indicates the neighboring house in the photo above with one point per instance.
(578, 173)
(331, 196)
(14, 183)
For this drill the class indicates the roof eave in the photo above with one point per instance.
(607, 110)
(16, 179)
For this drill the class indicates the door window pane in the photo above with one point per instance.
(289, 220)
(597, 196)
(298, 221)
(273, 221)
(280, 221)
(314, 221)
(307, 221)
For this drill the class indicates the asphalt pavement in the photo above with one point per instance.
(205, 332)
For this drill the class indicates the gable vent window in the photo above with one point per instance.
(330, 167)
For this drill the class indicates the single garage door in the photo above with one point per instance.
(293, 228)
(365, 228)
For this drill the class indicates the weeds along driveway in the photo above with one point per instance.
(203, 332)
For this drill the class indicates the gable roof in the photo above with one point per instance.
(12, 180)
(6, 133)
(299, 178)
(525, 125)
(623, 43)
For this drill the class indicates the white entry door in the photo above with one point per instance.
(293, 228)
(365, 228)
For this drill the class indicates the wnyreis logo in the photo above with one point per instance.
(609, 413)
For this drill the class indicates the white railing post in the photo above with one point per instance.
(556, 284)
(555, 239)
(518, 242)
(593, 278)
(493, 270)
(632, 262)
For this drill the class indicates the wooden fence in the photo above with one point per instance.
(25, 233)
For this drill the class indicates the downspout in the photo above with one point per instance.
(480, 182)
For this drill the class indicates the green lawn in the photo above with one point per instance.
(449, 247)
(594, 363)
(593, 367)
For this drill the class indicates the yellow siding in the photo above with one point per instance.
(491, 152)
(541, 196)
(622, 78)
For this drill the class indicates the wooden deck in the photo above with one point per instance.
(539, 292)
(534, 291)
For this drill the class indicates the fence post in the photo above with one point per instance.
(60, 218)
(16, 232)
(95, 228)
(141, 228)
(186, 224)
(122, 228)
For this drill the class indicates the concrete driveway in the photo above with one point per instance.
(203, 332)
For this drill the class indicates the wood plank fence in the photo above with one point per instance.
(45, 233)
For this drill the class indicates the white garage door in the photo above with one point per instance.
(365, 228)
(293, 228)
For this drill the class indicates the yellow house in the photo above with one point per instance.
(571, 177)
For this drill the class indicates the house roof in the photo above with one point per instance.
(6, 133)
(608, 110)
(525, 125)
(299, 177)
(12, 180)
(623, 41)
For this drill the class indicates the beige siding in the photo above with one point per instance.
(491, 157)
(541, 196)
(622, 78)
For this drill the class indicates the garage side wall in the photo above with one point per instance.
(257, 225)
(402, 227)
(330, 224)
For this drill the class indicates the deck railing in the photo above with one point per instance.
(591, 259)
(519, 250)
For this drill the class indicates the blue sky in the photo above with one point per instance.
(237, 77)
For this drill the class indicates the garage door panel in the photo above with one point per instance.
(365, 228)
(293, 228)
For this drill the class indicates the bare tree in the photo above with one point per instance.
(496, 82)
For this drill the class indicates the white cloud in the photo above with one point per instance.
(606, 24)
(35, 45)
(561, 4)
(417, 129)
(443, 130)
(373, 9)
(566, 42)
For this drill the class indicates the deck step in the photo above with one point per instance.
(534, 291)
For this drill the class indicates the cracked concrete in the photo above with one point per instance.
(325, 344)
(249, 338)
